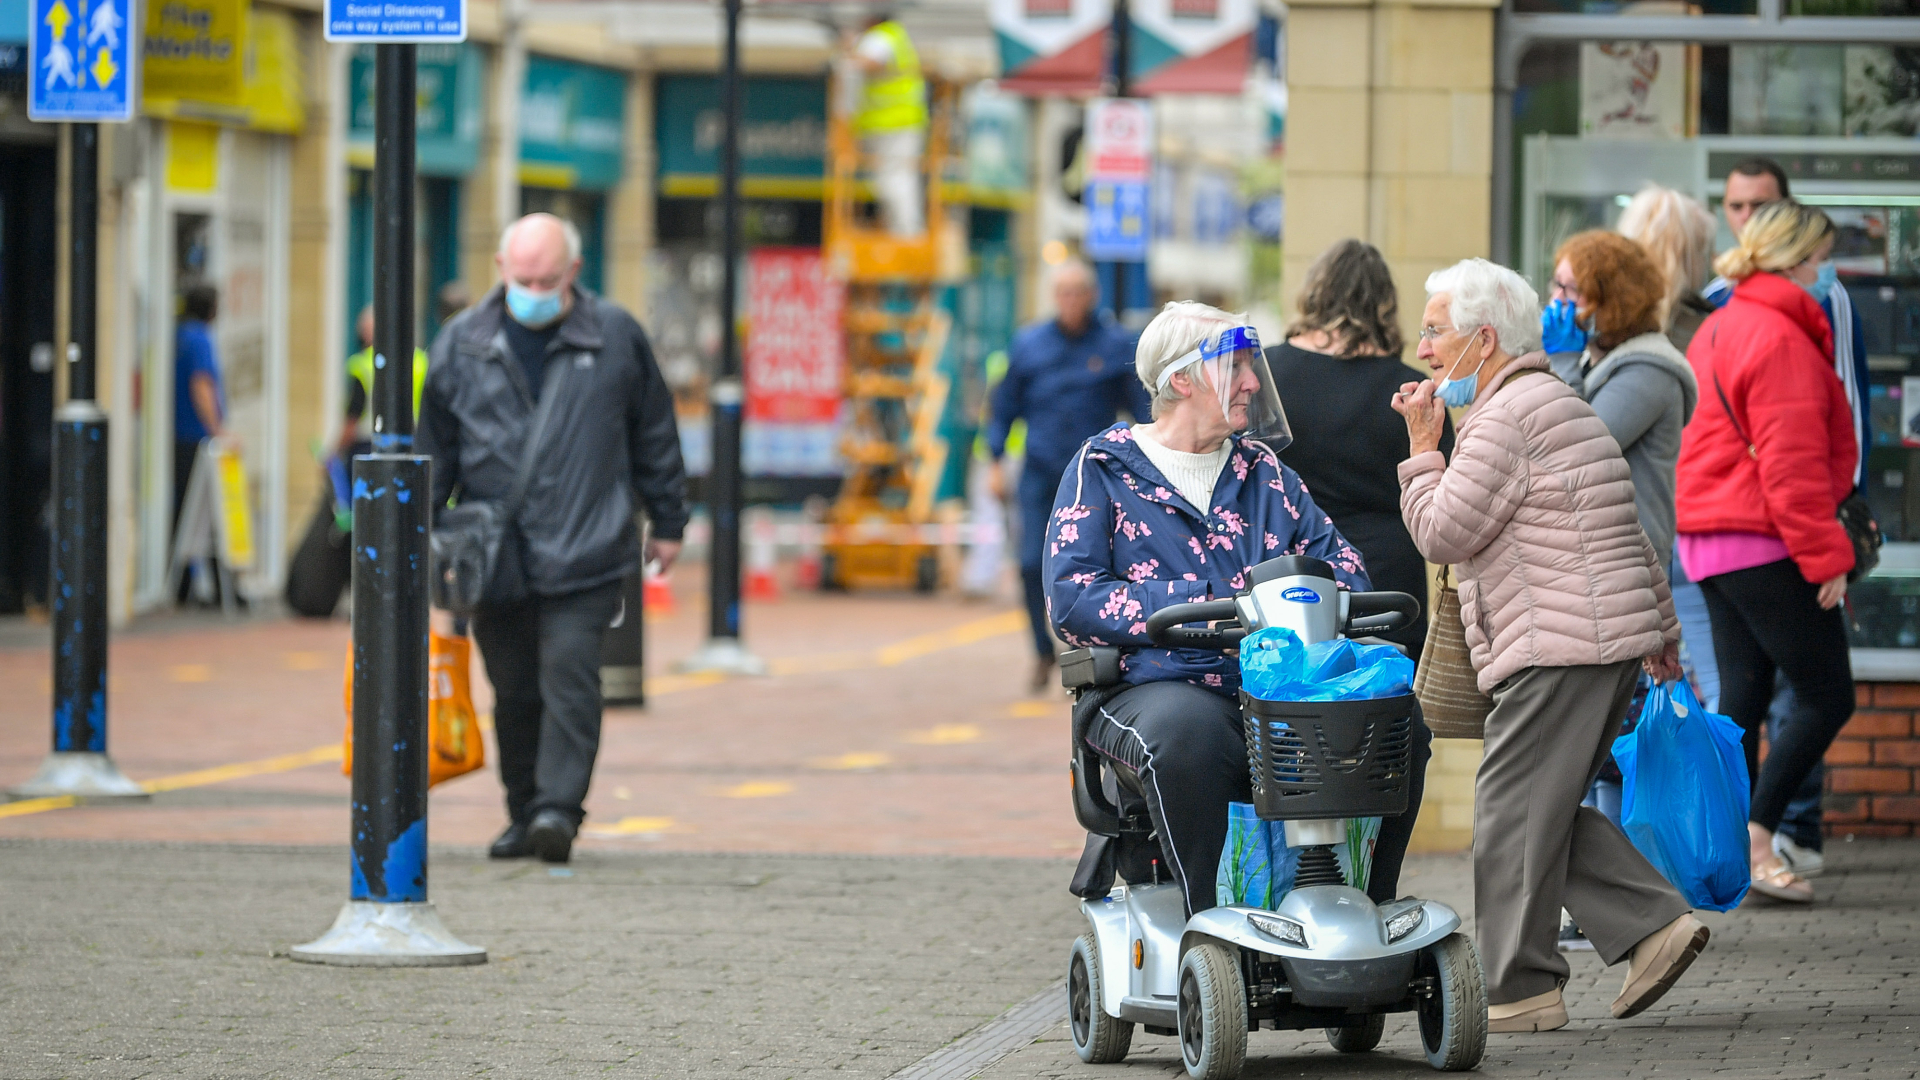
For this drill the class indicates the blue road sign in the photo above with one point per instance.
(80, 60)
(396, 21)
(1116, 220)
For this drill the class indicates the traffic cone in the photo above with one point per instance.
(656, 594)
(762, 582)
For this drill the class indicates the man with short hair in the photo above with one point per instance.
(1752, 184)
(610, 445)
(1068, 377)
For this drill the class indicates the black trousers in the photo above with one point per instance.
(1038, 484)
(543, 658)
(1190, 749)
(1768, 619)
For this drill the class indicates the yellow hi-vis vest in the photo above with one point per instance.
(896, 102)
(360, 366)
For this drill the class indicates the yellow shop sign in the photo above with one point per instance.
(196, 50)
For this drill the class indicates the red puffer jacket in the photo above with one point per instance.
(1772, 349)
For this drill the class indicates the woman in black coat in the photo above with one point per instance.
(1337, 372)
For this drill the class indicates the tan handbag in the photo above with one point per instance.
(1450, 697)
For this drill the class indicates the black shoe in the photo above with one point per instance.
(551, 836)
(511, 844)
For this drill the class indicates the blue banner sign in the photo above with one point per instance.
(1116, 220)
(396, 21)
(80, 60)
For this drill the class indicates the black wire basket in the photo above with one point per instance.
(1329, 759)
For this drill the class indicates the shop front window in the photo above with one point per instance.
(1594, 121)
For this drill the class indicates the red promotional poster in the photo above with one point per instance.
(794, 349)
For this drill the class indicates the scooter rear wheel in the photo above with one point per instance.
(1453, 1022)
(1213, 1013)
(1099, 1039)
(1358, 1038)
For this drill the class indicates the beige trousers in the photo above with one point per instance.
(1537, 850)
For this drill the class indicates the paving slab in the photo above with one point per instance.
(1782, 992)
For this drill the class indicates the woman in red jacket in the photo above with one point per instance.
(1764, 466)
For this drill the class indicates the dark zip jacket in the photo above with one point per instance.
(611, 440)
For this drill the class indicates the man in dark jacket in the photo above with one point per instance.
(609, 442)
(1068, 378)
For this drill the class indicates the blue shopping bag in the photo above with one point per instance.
(1257, 868)
(1275, 666)
(1685, 796)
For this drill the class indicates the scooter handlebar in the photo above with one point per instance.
(1164, 626)
(1379, 612)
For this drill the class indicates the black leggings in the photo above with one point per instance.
(1189, 747)
(1768, 618)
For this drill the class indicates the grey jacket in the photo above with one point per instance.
(1645, 391)
(610, 444)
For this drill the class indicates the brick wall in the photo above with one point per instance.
(1873, 768)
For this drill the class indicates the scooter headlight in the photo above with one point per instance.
(1279, 929)
(1405, 923)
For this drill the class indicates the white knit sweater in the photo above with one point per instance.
(1192, 475)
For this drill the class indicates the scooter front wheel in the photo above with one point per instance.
(1358, 1038)
(1213, 1013)
(1453, 1021)
(1099, 1039)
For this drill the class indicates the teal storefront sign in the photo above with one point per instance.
(783, 128)
(447, 124)
(573, 122)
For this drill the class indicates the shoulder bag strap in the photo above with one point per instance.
(549, 393)
(1752, 450)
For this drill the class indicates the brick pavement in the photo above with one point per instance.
(1782, 992)
(894, 724)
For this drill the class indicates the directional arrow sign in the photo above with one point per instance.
(80, 60)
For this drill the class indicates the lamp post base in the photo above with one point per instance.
(85, 775)
(723, 656)
(369, 934)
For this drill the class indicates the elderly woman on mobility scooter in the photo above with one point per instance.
(1150, 515)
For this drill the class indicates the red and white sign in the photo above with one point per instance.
(794, 351)
(1119, 139)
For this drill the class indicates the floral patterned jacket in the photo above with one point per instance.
(1123, 544)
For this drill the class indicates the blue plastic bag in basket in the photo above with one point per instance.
(1685, 796)
(1274, 666)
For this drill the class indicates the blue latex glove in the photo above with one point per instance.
(1559, 330)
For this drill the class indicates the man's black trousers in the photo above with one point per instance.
(1190, 748)
(543, 658)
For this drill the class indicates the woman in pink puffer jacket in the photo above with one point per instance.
(1563, 603)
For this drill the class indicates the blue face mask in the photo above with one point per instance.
(533, 310)
(1457, 393)
(1823, 283)
(1560, 330)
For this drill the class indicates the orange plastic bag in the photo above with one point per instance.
(454, 744)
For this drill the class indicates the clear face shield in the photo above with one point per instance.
(1232, 365)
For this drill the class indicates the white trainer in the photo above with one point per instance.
(1803, 861)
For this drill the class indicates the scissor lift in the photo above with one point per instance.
(895, 391)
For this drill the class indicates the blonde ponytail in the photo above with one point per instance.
(1780, 236)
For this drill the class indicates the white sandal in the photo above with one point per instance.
(1773, 879)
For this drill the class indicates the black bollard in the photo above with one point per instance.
(723, 651)
(388, 921)
(79, 766)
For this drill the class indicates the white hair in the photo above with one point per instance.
(1175, 332)
(566, 229)
(1074, 265)
(1486, 294)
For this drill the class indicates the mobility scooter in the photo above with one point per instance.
(1326, 956)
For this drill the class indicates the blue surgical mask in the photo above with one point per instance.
(1456, 393)
(1560, 330)
(1823, 283)
(533, 310)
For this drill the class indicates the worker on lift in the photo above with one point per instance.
(892, 121)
